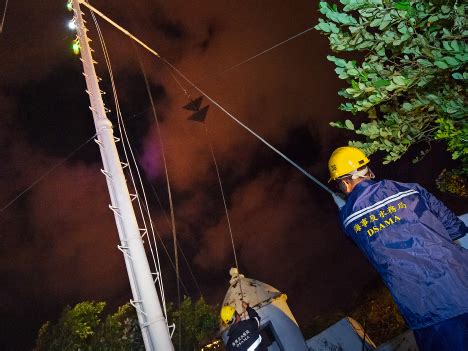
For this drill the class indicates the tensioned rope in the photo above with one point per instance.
(169, 193)
(266, 50)
(3, 17)
(225, 209)
(338, 200)
(172, 262)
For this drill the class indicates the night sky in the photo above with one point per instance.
(58, 240)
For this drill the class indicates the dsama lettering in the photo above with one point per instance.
(383, 225)
(364, 222)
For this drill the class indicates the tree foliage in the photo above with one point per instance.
(82, 327)
(411, 78)
(120, 331)
(199, 323)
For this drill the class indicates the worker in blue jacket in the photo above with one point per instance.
(407, 234)
(243, 335)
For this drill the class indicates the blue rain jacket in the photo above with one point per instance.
(407, 234)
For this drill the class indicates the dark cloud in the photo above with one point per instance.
(48, 106)
(210, 34)
(172, 30)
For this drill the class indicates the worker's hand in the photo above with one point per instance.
(245, 304)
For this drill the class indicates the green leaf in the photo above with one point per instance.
(339, 70)
(387, 19)
(399, 80)
(349, 124)
(391, 87)
(382, 83)
(424, 62)
(441, 64)
(407, 106)
(324, 26)
(446, 45)
(402, 5)
(334, 28)
(454, 45)
(445, 9)
(451, 61)
(402, 28)
(338, 61)
(338, 124)
(376, 22)
(457, 75)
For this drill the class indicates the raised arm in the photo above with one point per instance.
(251, 312)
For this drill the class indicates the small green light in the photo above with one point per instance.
(76, 48)
(69, 6)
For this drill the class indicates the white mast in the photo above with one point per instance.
(145, 298)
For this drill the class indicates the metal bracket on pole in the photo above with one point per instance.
(133, 303)
(147, 324)
(115, 210)
(124, 250)
(144, 231)
(157, 274)
(97, 141)
(133, 196)
(88, 92)
(116, 139)
(106, 173)
(173, 329)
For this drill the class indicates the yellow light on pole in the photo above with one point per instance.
(76, 47)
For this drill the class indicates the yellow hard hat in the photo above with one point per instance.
(227, 313)
(345, 160)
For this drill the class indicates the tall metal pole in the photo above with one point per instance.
(153, 325)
